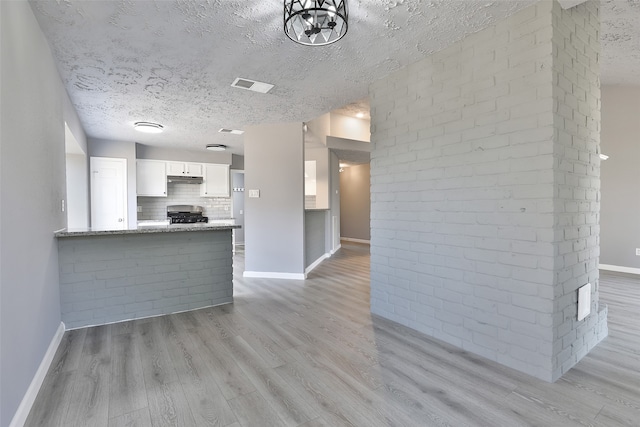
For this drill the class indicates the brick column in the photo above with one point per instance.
(469, 181)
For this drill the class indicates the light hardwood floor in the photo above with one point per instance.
(308, 353)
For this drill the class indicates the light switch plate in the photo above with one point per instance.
(637, 251)
(584, 301)
(254, 193)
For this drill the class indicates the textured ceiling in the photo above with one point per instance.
(173, 61)
(620, 38)
(355, 108)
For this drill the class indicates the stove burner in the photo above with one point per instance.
(188, 218)
(185, 214)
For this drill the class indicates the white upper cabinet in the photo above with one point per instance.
(194, 169)
(175, 168)
(183, 168)
(151, 178)
(216, 181)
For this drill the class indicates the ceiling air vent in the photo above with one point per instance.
(231, 131)
(251, 85)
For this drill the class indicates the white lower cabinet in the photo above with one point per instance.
(151, 178)
(216, 181)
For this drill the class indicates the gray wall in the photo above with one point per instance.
(350, 127)
(77, 203)
(119, 150)
(620, 210)
(484, 183)
(576, 122)
(333, 236)
(237, 162)
(73, 121)
(355, 202)
(160, 153)
(274, 234)
(105, 279)
(314, 236)
(32, 146)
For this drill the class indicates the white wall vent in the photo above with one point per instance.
(231, 131)
(252, 85)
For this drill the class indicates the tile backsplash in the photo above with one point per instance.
(155, 208)
(309, 202)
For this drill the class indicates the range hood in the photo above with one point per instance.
(185, 179)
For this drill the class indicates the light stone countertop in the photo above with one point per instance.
(165, 228)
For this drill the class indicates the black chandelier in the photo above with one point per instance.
(315, 22)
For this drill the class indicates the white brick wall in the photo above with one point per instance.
(106, 279)
(576, 89)
(155, 208)
(464, 179)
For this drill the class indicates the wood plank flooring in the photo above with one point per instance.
(309, 353)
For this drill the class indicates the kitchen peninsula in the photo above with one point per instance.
(108, 276)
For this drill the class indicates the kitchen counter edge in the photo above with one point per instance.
(144, 230)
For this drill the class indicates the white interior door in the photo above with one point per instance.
(108, 193)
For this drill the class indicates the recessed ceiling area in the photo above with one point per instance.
(173, 62)
(356, 108)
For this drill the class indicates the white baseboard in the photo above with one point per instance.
(274, 275)
(336, 249)
(22, 413)
(316, 263)
(619, 269)
(349, 239)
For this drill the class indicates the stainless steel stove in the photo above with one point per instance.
(185, 214)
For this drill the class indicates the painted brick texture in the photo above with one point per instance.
(464, 195)
(112, 278)
(576, 93)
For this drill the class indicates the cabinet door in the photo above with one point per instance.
(216, 181)
(193, 169)
(175, 168)
(151, 178)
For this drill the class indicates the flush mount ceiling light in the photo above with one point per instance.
(315, 22)
(604, 156)
(216, 147)
(148, 127)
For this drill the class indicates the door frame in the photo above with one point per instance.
(231, 172)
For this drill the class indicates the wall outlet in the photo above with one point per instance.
(637, 251)
(62, 206)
